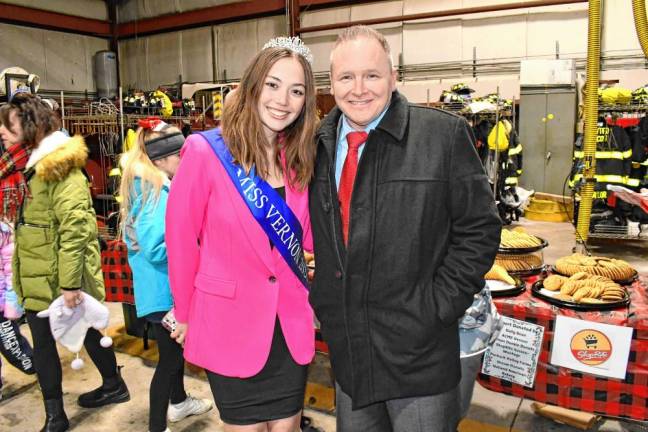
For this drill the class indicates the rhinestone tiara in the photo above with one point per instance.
(294, 44)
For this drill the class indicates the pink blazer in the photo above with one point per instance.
(228, 284)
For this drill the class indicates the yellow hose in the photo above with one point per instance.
(641, 23)
(591, 118)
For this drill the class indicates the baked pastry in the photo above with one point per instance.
(497, 272)
(518, 238)
(583, 287)
(518, 262)
(553, 282)
(611, 268)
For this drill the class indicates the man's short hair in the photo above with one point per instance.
(362, 31)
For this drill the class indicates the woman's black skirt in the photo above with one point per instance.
(275, 393)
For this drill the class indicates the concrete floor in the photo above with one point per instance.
(21, 408)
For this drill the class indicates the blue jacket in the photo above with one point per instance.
(147, 252)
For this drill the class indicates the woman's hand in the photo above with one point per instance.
(180, 333)
(72, 298)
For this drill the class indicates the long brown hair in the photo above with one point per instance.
(36, 119)
(243, 130)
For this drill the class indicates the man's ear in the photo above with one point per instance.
(394, 77)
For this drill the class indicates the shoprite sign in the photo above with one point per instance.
(587, 346)
(591, 347)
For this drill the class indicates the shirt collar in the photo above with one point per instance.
(346, 127)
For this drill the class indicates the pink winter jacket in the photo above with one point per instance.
(8, 301)
(228, 285)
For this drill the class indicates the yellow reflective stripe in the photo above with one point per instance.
(516, 150)
(645, 163)
(606, 154)
(114, 172)
(608, 178)
(511, 181)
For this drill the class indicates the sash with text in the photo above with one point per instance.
(267, 207)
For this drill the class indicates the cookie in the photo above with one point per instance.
(553, 282)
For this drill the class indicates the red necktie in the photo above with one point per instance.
(354, 140)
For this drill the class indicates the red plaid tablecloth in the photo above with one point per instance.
(117, 274)
(575, 390)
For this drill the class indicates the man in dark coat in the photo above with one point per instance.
(405, 227)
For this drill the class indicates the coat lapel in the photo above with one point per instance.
(327, 138)
(259, 241)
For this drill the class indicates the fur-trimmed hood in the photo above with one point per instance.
(59, 156)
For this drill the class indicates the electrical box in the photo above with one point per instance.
(547, 72)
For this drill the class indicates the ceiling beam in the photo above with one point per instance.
(43, 19)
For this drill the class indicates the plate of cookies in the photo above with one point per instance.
(617, 270)
(518, 241)
(581, 291)
(501, 283)
(520, 264)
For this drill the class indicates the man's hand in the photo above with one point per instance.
(72, 298)
(180, 333)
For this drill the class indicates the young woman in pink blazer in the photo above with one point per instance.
(242, 307)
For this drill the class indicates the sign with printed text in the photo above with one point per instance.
(514, 355)
(588, 346)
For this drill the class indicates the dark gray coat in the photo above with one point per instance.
(423, 232)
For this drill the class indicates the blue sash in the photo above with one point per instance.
(266, 205)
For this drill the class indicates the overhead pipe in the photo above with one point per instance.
(439, 14)
(641, 23)
(591, 121)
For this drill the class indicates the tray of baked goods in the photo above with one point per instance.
(502, 284)
(521, 264)
(518, 241)
(617, 270)
(581, 291)
(520, 253)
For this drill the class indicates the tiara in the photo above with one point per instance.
(293, 44)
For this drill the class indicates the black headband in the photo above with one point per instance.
(166, 145)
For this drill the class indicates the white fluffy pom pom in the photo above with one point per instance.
(106, 341)
(77, 363)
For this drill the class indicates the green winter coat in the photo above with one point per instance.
(56, 242)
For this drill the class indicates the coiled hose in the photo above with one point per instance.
(591, 118)
(641, 23)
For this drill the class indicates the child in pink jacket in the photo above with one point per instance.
(13, 345)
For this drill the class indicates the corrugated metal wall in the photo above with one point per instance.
(62, 60)
(511, 35)
(195, 54)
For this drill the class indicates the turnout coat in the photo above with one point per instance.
(423, 232)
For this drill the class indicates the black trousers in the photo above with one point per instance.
(48, 363)
(168, 380)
